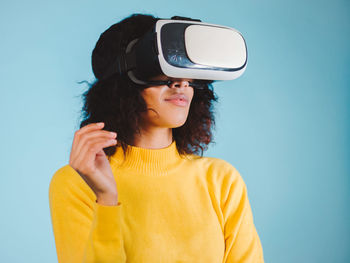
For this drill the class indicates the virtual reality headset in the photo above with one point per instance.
(183, 49)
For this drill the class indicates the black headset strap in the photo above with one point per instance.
(119, 64)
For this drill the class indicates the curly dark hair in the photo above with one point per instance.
(117, 101)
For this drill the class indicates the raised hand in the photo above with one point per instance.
(89, 160)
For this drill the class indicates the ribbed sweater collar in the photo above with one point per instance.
(149, 161)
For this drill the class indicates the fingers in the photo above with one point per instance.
(92, 135)
(86, 158)
(85, 134)
(79, 133)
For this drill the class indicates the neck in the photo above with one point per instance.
(153, 138)
(147, 161)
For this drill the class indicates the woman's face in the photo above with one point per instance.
(168, 106)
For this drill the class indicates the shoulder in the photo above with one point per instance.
(218, 170)
(66, 181)
(65, 175)
(212, 163)
(222, 178)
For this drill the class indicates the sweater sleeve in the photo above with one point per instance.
(84, 230)
(242, 243)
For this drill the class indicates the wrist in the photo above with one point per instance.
(107, 199)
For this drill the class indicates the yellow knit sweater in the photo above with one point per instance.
(171, 208)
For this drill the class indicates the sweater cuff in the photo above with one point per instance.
(107, 217)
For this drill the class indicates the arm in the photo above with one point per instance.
(84, 230)
(241, 238)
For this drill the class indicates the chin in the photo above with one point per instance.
(174, 120)
(178, 124)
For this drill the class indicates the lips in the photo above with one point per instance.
(178, 96)
(178, 99)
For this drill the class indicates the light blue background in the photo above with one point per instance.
(284, 124)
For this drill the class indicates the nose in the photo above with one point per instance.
(180, 84)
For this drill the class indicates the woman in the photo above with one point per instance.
(135, 189)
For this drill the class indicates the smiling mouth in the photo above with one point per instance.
(178, 102)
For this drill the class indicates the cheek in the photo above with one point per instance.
(152, 98)
(191, 93)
